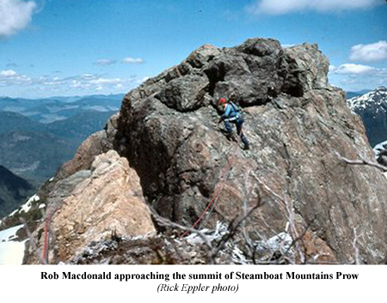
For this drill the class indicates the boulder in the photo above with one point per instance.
(93, 205)
(297, 125)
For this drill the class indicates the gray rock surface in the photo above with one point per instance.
(296, 123)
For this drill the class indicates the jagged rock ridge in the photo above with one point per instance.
(296, 123)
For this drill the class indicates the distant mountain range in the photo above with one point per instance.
(38, 135)
(34, 155)
(372, 108)
(60, 108)
(13, 191)
(350, 95)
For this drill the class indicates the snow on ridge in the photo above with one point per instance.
(13, 213)
(27, 206)
(377, 97)
(379, 147)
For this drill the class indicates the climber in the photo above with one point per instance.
(233, 114)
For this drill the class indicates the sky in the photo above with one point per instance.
(82, 47)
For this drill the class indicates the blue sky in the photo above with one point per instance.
(79, 47)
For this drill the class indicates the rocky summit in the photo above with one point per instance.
(299, 128)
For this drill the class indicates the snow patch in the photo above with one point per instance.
(377, 97)
(13, 213)
(11, 252)
(379, 147)
(27, 206)
(10, 232)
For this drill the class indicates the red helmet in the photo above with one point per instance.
(222, 101)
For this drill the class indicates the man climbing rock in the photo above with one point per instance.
(232, 114)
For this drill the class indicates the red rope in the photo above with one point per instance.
(216, 191)
(45, 248)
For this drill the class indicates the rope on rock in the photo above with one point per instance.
(214, 198)
(46, 239)
(47, 230)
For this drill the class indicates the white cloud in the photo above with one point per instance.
(358, 82)
(332, 68)
(88, 76)
(8, 73)
(106, 81)
(17, 85)
(10, 77)
(15, 15)
(85, 82)
(104, 62)
(369, 52)
(140, 81)
(130, 60)
(279, 7)
(287, 45)
(356, 76)
(355, 69)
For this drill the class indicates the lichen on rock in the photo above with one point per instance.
(296, 122)
(169, 153)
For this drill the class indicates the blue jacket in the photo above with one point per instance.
(230, 113)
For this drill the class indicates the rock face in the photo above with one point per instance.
(296, 123)
(13, 191)
(372, 108)
(181, 161)
(91, 205)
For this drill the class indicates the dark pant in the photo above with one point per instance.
(239, 123)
